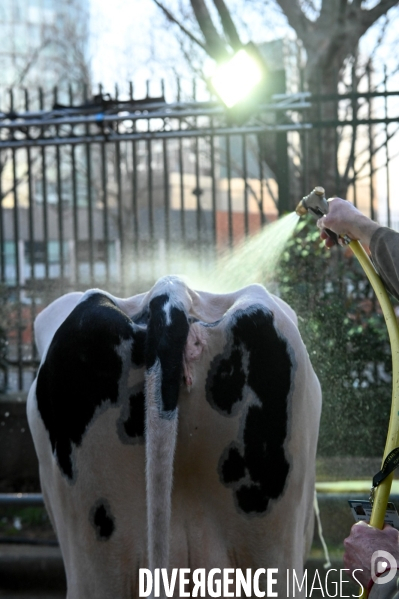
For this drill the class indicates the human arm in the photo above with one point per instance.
(344, 219)
(384, 247)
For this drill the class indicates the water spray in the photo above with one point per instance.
(316, 204)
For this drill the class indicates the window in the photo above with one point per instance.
(39, 251)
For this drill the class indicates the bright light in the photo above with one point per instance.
(235, 79)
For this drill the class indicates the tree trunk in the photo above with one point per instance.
(323, 141)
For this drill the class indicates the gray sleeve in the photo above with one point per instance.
(384, 247)
(389, 590)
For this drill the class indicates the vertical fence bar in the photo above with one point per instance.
(17, 260)
(336, 136)
(213, 179)
(30, 203)
(166, 187)
(118, 170)
(387, 157)
(2, 238)
(75, 229)
(89, 194)
(371, 182)
(120, 212)
(135, 194)
(181, 174)
(31, 243)
(150, 192)
(44, 192)
(59, 206)
(303, 135)
(167, 197)
(245, 177)
(262, 196)
(371, 144)
(283, 172)
(3, 258)
(104, 192)
(354, 130)
(319, 131)
(282, 152)
(3, 162)
(197, 191)
(306, 184)
(229, 198)
(104, 187)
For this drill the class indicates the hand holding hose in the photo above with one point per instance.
(360, 547)
(346, 220)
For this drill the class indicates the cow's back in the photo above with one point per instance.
(243, 481)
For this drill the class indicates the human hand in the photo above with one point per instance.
(344, 219)
(362, 542)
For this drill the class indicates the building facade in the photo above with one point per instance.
(43, 42)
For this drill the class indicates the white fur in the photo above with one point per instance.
(161, 435)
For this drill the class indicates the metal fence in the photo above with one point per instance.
(115, 192)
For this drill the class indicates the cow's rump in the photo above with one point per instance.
(174, 429)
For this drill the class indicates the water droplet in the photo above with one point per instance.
(17, 523)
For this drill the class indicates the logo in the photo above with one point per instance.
(382, 561)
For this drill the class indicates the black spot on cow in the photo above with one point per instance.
(102, 520)
(81, 371)
(255, 466)
(134, 425)
(233, 466)
(138, 347)
(228, 382)
(166, 338)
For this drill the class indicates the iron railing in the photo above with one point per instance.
(115, 193)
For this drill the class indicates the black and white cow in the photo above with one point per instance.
(174, 429)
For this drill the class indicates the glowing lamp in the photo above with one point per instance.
(235, 79)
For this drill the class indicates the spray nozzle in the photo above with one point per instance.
(317, 205)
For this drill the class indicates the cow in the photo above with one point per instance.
(174, 429)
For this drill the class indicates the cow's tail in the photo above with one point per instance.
(166, 338)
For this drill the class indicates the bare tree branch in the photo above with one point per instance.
(296, 17)
(173, 19)
(215, 45)
(188, 56)
(368, 17)
(375, 151)
(229, 28)
(32, 59)
(17, 182)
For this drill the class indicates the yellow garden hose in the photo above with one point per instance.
(316, 204)
(381, 495)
